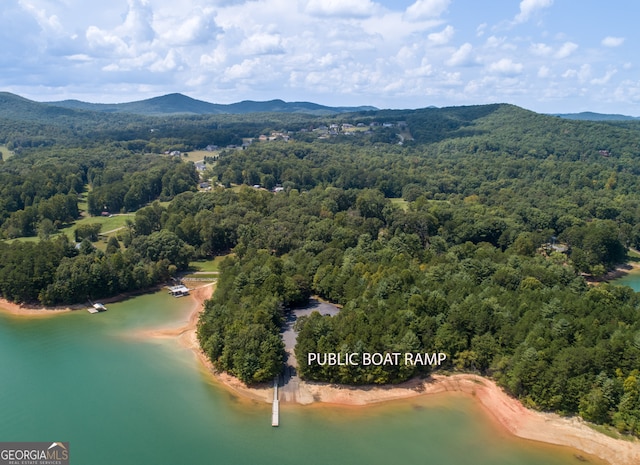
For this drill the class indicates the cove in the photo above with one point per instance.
(123, 399)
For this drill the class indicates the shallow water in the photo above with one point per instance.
(121, 399)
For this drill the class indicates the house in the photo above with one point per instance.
(200, 166)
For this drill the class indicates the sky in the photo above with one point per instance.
(550, 56)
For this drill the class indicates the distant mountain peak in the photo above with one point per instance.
(592, 116)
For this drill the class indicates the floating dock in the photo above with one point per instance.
(179, 291)
(275, 408)
(97, 308)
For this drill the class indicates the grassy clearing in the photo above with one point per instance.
(201, 276)
(198, 155)
(207, 265)
(633, 255)
(23, 239)
(108, 224)
(6, 153)
(400, 202)
(610, 431)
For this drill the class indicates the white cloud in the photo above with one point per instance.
(565, 50)
(612, 41)
(137, 24)
(79, 57)
(47, 23)
(583, 74)
(604, 79)
(506, 67)
(262, 44)
(168, 63)
(502, 43)
(442, 37)
(462, 56)
(341, 8)
(198, 27)
(426, 9)
(542, 50)
(529, 7)
(544, 72)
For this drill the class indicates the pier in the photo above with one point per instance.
(275, 408)
(97, 308)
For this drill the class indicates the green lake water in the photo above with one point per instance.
(123, 399)
(632, 280)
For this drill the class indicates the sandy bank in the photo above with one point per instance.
(30, 310)
(506, 411)
(34, 311)
(622, 270)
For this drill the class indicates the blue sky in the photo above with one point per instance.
(545, 55)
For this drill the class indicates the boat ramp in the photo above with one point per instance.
(275, 407)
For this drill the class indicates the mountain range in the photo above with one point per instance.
(591, 116)
(14, 106)
(182, 104)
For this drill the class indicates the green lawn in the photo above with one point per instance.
(400, 202)
(6, 153)
(197, 155)
(207, 265)
(633, 255)
(201, 276)
(22, 239)
(108, 224)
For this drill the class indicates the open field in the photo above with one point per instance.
(198, 155)
(116, 222)
(207, 265)
(6, 153)
(400, 202)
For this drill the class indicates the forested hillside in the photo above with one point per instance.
(470, 230)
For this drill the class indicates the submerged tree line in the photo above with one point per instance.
(474, 239)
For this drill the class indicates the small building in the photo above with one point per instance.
(179, 291)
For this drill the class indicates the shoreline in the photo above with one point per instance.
(34, 310)
(505, 411)
(622, 270)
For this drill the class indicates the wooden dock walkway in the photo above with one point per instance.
(275, 408)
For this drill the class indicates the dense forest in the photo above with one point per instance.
(472, 231)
